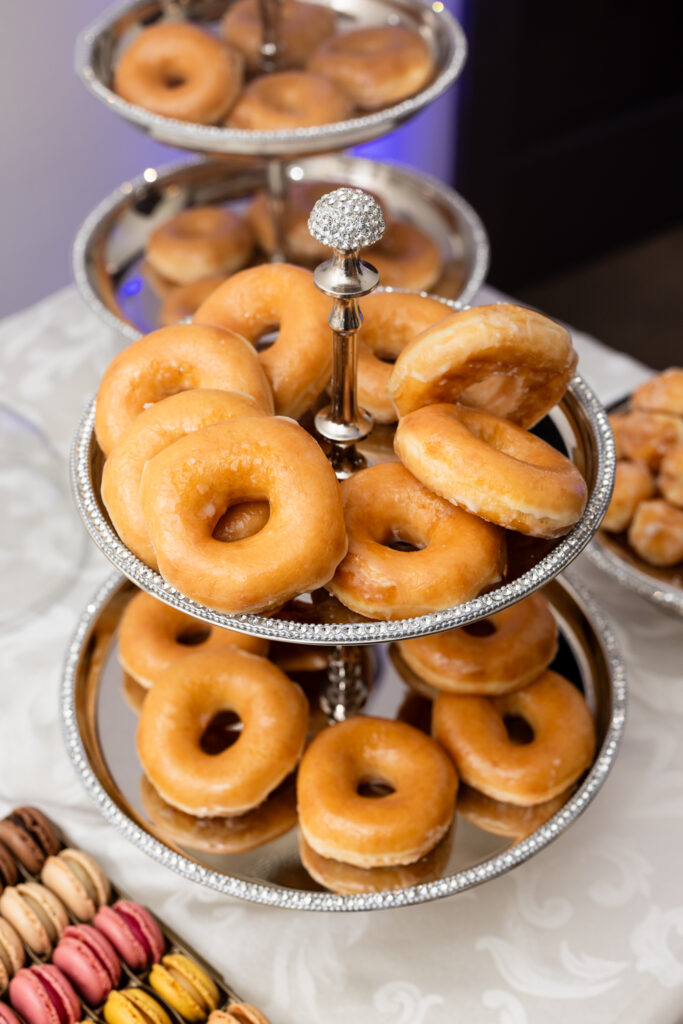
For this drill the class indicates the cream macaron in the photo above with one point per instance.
(79, 882)
(36, 913)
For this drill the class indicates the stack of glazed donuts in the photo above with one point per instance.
(232, 759)
(647, 504)
(192, 253)
(240, 510)
(181, 71)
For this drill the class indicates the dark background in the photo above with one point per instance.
(570, 147)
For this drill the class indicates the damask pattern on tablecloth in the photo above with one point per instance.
(589, 930)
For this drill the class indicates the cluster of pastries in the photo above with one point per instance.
(647, 504)
(192, 253)
(233, 756)
(240, 509)
(181, 71)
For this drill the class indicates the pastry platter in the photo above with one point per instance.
(99, 46)
(612, 554)
(108, 254)
(578, 426)
(99, 728)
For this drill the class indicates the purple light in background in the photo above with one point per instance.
(427, 142)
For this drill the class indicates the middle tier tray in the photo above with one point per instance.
(578, 426)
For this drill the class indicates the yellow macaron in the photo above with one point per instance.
(184, 986)
(133, 1006)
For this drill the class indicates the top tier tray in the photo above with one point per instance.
(98, 47)
(578, 426)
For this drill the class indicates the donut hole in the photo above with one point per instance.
(243, 519)
(374, 787)
(518, 729)
(482, 628)
(223, 730)
(193, 636)
(402, 539)
(385, 356)
(267, 338)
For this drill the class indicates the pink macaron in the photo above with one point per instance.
(133, 933)
(8, 1016)
(42, 995)
(89, 961)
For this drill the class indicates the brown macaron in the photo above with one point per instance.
(79, 882)
(8, 868)
(12, 954)
(30, 836)
(36, 913)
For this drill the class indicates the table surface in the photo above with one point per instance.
(591, 928)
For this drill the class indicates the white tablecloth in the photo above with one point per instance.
(590, 929)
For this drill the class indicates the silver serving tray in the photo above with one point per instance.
(611, 553)
(99, 731)
(581, 429)
(110, 246)
(98, 47)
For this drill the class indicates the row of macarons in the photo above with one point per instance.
(87, 958)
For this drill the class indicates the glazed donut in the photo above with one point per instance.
(474, 732)
(390, 321)
(301, 28)
(349, 879)
(656, 533)
(664, 393)
(153, 636)
(342, 820)
(242, 832)
(633, 483)
(301, 197)
(183, 301)
(504, 819)
(285, 100)
(516, 648)
(170, 360)
(179, 709)
(469, 346)
(187, 487)
(181, 72)
(148, 434)
(492, 468)
(375, 66)
(198, 242)
(133, 694)
(253, 302)
(458, 555)
(645, 436)
(406, 257)
(670, 478)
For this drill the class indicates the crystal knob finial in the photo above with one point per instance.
(347, 219)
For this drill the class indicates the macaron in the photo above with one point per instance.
(133, 933)
(36, 913)
(42, 995)
(8, 1016)
(9, 872)
(78, 880)
(238, 1013)
(12, 953)
(134, 1006)
(185, 986)
(89, 961)
(30, 836)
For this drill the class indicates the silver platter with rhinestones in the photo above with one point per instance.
(109, 251)
(578, 426)
(613, 554)
(99, 46)
(99, 720)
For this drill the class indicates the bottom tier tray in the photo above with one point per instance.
(100, 724)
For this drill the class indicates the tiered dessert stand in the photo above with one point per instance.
(364, 669)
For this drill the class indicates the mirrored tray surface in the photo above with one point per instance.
(578, 426)
(108, 253)
(99, 729)
(612, 553)
(99, 46)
